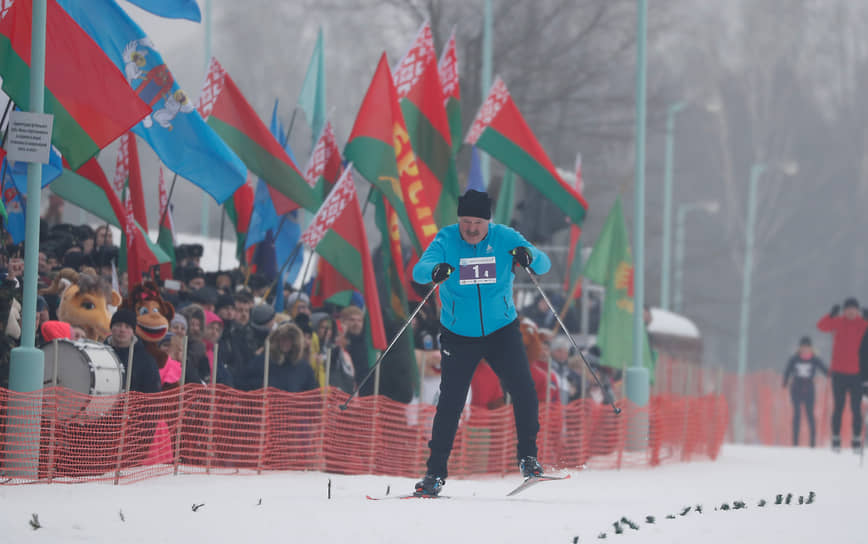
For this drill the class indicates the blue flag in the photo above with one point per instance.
(288, 227)
(263, 218)
(474, 176)
(18, 172)
(174, 129)
(172, 9)
(14, 205)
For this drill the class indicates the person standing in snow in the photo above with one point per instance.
(478, 319)
(801, 368)
(848, 330)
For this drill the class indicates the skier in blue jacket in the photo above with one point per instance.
(474, 262)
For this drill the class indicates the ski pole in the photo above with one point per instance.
(345, 405)
(608, 396)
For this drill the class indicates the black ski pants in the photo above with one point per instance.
(802, 394)
(842, 384)
(505, 353)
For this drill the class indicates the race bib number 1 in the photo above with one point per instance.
(477, 270)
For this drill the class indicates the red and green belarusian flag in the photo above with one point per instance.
(89, 189)
(322, 172)
(128, 176)
(572, 280)
(379, 146)
(90, 99)
(500, 130)
(324, 167)
(337, 234)
(135, 252)
(166, 237)
(226, 111)
(239, 208)
(417, 83)
(448, 68)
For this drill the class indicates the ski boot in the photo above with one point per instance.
(836, 443)
(429, 486)
(530, 467)
(857, 446)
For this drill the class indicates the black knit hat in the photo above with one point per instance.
(805, 341)
(851, 303)
(124, 315)
(474, 204)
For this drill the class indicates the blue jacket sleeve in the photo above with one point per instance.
(541, 262)
(434, 255)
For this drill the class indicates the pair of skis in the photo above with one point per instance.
(528, 482)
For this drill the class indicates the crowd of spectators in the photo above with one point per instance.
(228, 319)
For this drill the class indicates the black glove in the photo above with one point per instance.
(865, 389)
(521, 256)
(835, 310)
(441, 272)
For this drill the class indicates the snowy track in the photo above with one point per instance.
(295, 508)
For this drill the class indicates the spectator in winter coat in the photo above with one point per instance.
(801, 367)
(145, 375)
(353, 323)
(848, 330)
(287, 370)
(341, 373)
(213, 338)
(249, 340)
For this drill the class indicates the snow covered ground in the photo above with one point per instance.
(294, 506)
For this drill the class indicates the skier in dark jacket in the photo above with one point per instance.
(478, 319)
(801, 368)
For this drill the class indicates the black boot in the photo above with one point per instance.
(857, 445)
(429, 486)
(836, 443)
(529, 467)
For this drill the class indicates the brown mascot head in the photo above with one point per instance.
(85, 304)
(153, 314)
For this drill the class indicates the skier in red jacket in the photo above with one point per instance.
(848, 330)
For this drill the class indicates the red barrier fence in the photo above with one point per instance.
(130, 437)
(768, 413)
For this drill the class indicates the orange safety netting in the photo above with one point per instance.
(58, 435)
(769, 410)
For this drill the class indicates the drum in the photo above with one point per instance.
(90, 373)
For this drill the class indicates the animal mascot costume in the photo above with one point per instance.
(85, 304)
(153, 315)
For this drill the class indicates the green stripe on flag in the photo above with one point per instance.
(453, 113)
(89, 197)
(343, 257)
(375, 160)
(523, 164)
(74, 143)
(269, 168)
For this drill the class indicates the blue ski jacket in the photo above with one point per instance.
(477, 298)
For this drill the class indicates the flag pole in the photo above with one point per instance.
(207, 17)
(291, 123)
(288, 262)
(220, 247)
(169, 202)
(570, 297)
(26, 362)
(3, 119)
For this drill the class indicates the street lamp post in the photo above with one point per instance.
(755, 172)
(683, 210)
(637, 374)
(667, 201)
